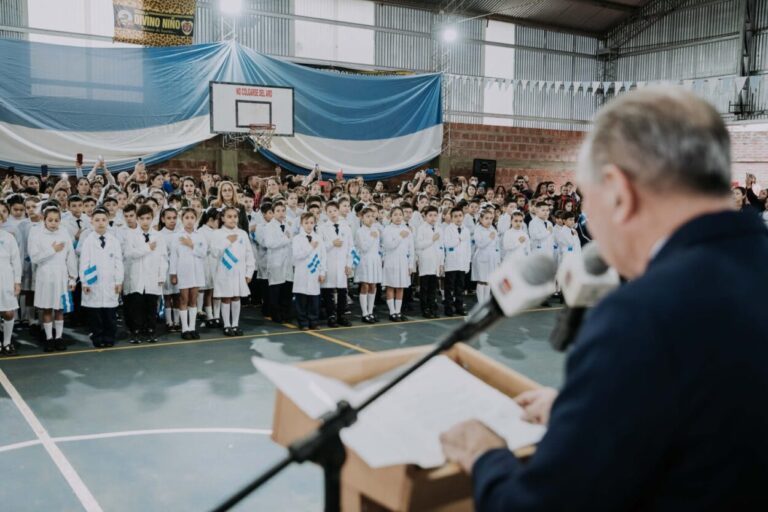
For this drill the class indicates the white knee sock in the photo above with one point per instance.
(58, 326)
(364, 304)
(398, 305)
(48, 328)
(209, 312)
(200, 300)
(371, 302)
(184, 320)
(175, 316)
(235, 306)
(391, 306)
(7, 332)
(168, 315)
(192, 318)
(225, 308)
(216, 308)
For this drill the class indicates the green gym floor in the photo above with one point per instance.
(179, 425)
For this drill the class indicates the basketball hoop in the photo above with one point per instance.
(261, 135)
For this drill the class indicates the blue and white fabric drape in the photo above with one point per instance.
(126, 103)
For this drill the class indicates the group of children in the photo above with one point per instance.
(198, 249)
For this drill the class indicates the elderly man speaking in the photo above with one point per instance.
(665, 401)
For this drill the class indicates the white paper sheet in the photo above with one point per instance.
(403, 426)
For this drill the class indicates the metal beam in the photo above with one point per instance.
(605, 4)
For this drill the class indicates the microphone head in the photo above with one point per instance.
(538, 269)
(594, 263)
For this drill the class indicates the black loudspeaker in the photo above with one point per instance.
(485, 171)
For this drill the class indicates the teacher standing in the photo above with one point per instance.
(665, 401)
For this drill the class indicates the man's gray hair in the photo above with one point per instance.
(663, 138)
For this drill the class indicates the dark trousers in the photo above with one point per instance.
(428, 293)
(454, 291)
(334, 302)
(261, 294)
(307, 309)
(280, 301)
(103, 323)
(77, 317)
(142, 310)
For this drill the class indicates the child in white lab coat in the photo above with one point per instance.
(337, 237)
(485, 258)
(309, 260)
(516, 240)
(368, 271)
(189, 251)
(101, 275)
(10, 285)
(168, 221)
(50, 248)
(143, 285)
(235, 267)
(277, 239)
(431, 256)
(458, 253)
(397, 241)
(209, 225)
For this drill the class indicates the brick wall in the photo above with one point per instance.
(543, 155)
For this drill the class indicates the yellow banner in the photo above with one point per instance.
(154, 22)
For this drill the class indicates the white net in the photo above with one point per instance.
(261, 135)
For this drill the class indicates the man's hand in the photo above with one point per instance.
(537, 404)
(467, 441)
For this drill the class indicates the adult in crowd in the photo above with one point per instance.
(663, 405)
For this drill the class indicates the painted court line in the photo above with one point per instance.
(246, 336)
(134, 433)
(70, 475)
(337, 341)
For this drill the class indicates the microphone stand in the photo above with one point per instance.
(324, 446)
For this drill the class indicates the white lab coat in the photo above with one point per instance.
(101, 269)
(398, 255)
(10, 271)
(188, 264)
(542, 239)
(431, 253)
(309, 263)
(367, 246)
(567, 242)
(235, 263)
(70, 222)
(279, 260)
(458, 248)
(55, 271)
(513, 245)
(485, 257)
(24, 231)
(338, 259)
(210, 260)
(148, 269)
(169, 236)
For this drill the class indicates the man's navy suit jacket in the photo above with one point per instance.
(665, 401)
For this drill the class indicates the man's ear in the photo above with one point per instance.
(621, 194)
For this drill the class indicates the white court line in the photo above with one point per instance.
(131, 433)
(70, 475)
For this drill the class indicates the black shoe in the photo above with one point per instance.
(9, 350)
(303, 328)
(195, 335)
(109, 344)
(236, 331)
(151, 337)
(187, 335)
(48, 346)
(332, 322)
(313, 327)
(228, 331)
(394, 318)
(135, 339)
(461, 312)
(344, 322)
(449, 312)
(367, 319)
(59, 344)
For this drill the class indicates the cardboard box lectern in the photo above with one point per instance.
(403, 487)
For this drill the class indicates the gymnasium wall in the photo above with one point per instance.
(543, 155)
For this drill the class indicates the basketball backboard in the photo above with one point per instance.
(235, 107)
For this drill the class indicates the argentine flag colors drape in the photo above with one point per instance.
(126, 103)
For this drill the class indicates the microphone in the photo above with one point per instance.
(518, 284)
(584, 280)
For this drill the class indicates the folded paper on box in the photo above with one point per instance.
(404, 425)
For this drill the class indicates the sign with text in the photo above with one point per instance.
(154, 22)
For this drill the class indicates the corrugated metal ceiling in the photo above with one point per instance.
(592, 17)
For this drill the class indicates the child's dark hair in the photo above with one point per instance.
(14, 199)
(331, 204)
(49, 210)
(100, 211)
(129, 208)
(161, 224)
(89, 199)
(265, 208)
(456, 209)
(429, 209)
(74, 198)
(567, 215)
(305, 216)
(209, 214)
(187, 210)
(228, 208)
(518, 213)
(145, 209)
